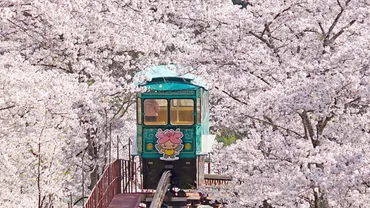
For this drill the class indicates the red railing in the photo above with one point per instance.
(121, 177)
(129, 176)
(213, 179)
(117, 178)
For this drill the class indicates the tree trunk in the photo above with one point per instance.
(92, 151)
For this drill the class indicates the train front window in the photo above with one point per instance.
(155, 112)
(182, 112)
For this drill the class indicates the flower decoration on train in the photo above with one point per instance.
(169, 143)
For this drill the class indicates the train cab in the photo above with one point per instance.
(172, 127)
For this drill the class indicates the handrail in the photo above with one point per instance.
(107, 186)
(106, 191)
(128, 176)
(117, 178)
(215, 179)
(120, 177)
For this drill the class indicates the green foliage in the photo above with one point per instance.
(228, 137)
(90, 82)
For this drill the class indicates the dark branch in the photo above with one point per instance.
(321, 125)
(274, 125)
(261, 39)
(259, 77)
(322, 30)
(7, 107)
(309, 132)
(24, 30)
(275, 17)
(335, 20)
(341, 31)
(232, 96)
(327, 39)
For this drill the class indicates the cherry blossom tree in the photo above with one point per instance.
(297, 87)
(37, 127)
(91, 85)
(290, 77)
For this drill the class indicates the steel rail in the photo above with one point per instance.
(162, 187)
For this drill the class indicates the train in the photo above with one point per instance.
(172, 126)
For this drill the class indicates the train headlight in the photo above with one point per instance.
(187, 146)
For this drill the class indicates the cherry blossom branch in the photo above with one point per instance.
(268, 43)
(24, 30)
(261, 38)
(322, 30)
(341, 31)
(269, 33)
(327, 39)
(275, 17)
(136, 10)
(338, 16)
(274, 125)
(258, 77)
(7, 107)
(257, 119)
(321, 125)
(232, 96)
(122, 109)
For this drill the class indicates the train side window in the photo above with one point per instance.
(198, 111)
(138, 110)
(182, 112)
(155, 112)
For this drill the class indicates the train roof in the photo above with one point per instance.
(168, 77)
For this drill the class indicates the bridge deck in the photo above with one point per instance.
(126, 200)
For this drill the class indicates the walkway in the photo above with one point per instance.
(117, 188)
(126, 200)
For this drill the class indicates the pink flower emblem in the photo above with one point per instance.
(169, 134)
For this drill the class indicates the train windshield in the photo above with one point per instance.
(182, 112)
(155, 112)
